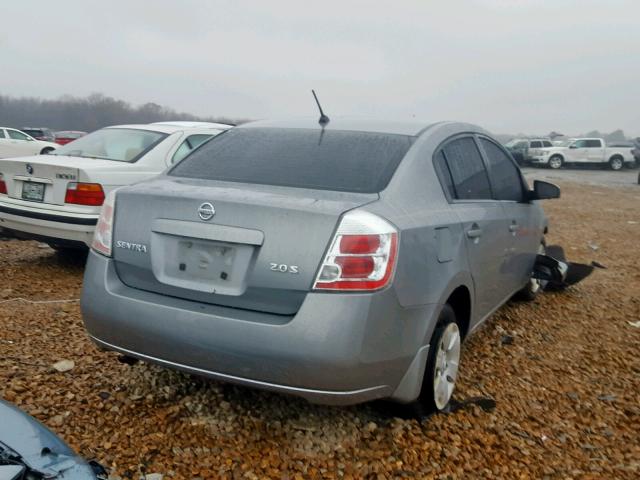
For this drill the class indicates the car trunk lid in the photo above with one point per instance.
(38, 179)
(260, 250)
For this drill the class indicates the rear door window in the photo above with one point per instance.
(547, 144)
(190, 143)
(593, 144)
(442, 170)
(16, 135)
(338, 160)
(467, 169)
(505, 176)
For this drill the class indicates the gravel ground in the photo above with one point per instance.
(563, 370)
(594, 175)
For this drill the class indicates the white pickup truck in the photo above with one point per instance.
(584, 150)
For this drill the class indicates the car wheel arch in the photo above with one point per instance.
(459, 294)
(459, 299)
(460, 302)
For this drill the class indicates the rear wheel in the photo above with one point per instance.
(442, 365)
(555, 162)
(616, 163)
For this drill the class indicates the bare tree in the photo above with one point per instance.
(87, 113)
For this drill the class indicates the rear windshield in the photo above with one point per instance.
(32, 132)
(119, 144)
(337, 160)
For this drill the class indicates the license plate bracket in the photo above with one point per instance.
(207, 261)
(201, 265)
(33, 191)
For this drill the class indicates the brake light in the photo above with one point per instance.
(362, 255)
(103, 234)
(84, 194)
(3, 185)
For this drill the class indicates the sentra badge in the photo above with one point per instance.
(135, 247)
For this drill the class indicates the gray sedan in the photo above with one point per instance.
(341, 263)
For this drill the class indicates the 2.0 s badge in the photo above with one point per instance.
(283, 268)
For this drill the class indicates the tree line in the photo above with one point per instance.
(87, 113)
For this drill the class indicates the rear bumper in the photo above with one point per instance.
(338, 349)
(53, 228)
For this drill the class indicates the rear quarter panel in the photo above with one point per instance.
(432, 259)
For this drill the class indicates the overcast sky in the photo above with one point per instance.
(510, 66)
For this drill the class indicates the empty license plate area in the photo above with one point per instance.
(33, 191)
(204, 260)
(201, 265)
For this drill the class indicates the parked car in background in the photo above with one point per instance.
(57, 199)
(584, 151)
(524, 149)
(15, 143)
(29, 450)
(341, 262)
(40, 133)
(66, 136)
(636, 151)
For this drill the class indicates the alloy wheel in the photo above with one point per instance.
(555, 162)
(447, 361)
(616, 164)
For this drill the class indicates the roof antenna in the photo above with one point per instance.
(323, 118)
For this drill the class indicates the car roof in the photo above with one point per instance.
(186, 124)
(169, 129)
(411, 128)
(33, 128)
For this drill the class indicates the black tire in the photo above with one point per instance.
(70, 254)
(559, 162)
(426, 403)
(531, 290)
(616, 163)
(46, 150)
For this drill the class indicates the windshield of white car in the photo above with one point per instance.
(119, 144)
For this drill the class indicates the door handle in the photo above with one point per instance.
(474, 232)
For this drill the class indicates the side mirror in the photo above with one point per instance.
(573, 145)
(544, 191)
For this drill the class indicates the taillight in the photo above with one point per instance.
(362, 255)
(3, 185)
(84, 194)
(102, 237)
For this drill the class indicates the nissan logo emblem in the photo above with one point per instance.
(29, 169)
(206, 211)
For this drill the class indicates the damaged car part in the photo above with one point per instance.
(556, 271)
(29, 450)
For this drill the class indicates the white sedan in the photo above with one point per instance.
(14, 143)
(57, 198)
